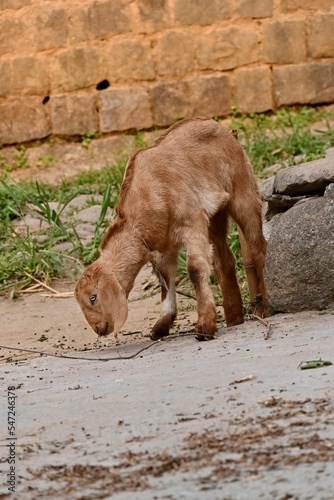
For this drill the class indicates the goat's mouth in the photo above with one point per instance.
(104, 332)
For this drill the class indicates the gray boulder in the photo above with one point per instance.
(305, 178)
(299, 268)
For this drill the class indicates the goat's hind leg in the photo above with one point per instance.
(224, 264)
(248, 217)
(166, 267)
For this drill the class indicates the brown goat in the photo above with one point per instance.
(179, 192)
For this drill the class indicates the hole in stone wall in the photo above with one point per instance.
(46, 99)
(103, 85)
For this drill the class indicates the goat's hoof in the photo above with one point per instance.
(235, 321)
(158, 335)
(201, 337)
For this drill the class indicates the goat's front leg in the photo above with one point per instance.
(198, 265)
(166, 267)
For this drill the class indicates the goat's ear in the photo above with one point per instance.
(113, 302)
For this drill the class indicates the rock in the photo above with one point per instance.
(85, 231)
(329, 191)
(305, 178)
(329, 152)
(29, 223)
(62, 247)
(92, 214)
(277, 203)
(78, 203)
(267, 226)
(299, 268)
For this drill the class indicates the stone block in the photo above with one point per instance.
(74, 114)
(288, 6)
(253, 89)
(154, 15)
(299, 266)
(321, 36)
(169, 60)
(199, 96)
(305, 83)
(129, 60)
(284, 41)
(11, 39)
(23, 119)
(78, 24)
(51, 26)
(209, 95)
(124, 108)
(107, 18)
(223, 49)
(169, 102)
(77, 68)
(256, 8)
(305, 178)
(5, 76)
(201, 12)
(14, 4)
(29, 75)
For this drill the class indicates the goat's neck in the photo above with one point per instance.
(126, 253)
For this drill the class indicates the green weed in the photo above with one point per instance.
(283, 137)
(46, 161)
(86, 139)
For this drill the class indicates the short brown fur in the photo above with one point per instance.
(179, 192)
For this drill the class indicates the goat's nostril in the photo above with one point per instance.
(97, 330)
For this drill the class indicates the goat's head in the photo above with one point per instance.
(102, 299)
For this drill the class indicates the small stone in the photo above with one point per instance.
(329, 191)
(91, 214)
(85, 230)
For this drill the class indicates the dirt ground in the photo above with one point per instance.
(234, 418)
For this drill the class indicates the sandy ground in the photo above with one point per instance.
(234, 418)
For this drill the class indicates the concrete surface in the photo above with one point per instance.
(177, 421)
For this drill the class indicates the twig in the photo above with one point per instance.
(269, 331)
(131, 356)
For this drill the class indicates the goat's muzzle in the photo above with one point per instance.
(103, 331)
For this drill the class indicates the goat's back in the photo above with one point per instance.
(194, 167)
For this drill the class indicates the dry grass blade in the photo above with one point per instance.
(58, 295)
(32, 289)
(41, 283)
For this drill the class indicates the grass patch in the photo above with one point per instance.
(286, 137)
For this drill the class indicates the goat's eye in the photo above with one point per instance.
(92, 299)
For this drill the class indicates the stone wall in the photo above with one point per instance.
(71, 67)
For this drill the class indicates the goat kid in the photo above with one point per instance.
(179, 192)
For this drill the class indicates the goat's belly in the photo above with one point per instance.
(212, 202)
